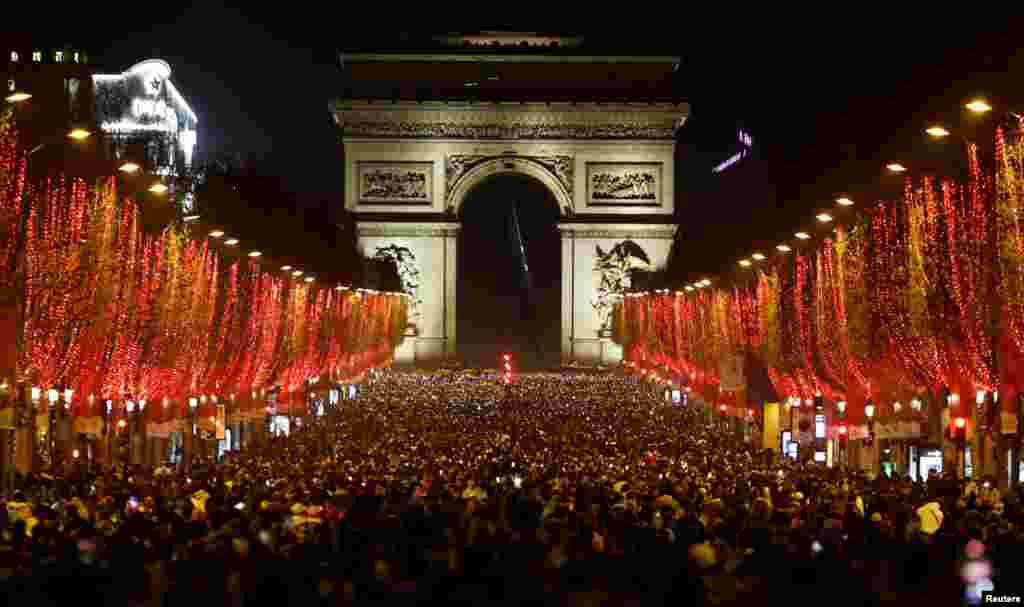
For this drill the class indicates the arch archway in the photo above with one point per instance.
(509, 165)
(509, 296)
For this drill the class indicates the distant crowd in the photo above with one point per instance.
(445, 487)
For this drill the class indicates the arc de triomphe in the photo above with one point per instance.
(408, 166)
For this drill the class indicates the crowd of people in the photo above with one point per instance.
(446, 487)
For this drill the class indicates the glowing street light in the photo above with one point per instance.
(79, 134)
(285, 268)
(895, 167)
(689, 287)
(802, 235)
(309, 279)
(824, 217)
(937, 132)
(297, 273)
(979, 106)
(129, 168)
(745, 263)
(784, 248)
(231, 242)
(18, 97)
(255, 254)
(216, 233)
(158, 188)
(844, 202)
(758, 257)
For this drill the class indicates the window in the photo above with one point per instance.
(71, 86)
(14, 56)
(58, 56)
(37, 56)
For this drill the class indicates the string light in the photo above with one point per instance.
(185, 317)
(911, 286)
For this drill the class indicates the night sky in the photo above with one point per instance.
(827, 104)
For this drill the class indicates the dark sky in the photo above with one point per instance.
(827, 102)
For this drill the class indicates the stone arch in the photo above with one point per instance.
(509, 165)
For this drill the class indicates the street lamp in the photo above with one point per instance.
(17, 97)
(79, 134)
(937, 132)
(158, 188)
(844, 202)
(129, 168)
(895, 167)
(978, 106)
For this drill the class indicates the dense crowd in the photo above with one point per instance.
(570, 488)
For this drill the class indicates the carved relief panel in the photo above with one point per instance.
(623, 184)
(395, 183)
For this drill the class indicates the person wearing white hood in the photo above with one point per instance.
(930, 516)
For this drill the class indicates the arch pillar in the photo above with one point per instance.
(433, 244)
(585, 339)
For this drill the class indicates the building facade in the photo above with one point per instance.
(59, 82)
(137, 115)
(145, 119)
(423, 125)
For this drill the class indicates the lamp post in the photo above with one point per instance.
(53, 397)
(842, 431)
(869, 412)
(131, 430)
(190, 444)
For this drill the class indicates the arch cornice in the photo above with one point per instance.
(509, 165)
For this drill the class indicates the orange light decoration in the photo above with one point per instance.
(903, 297)
(113, 310)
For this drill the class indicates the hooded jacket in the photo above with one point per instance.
(931, 517)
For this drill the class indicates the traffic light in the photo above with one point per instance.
(958, 430)
(507, 360)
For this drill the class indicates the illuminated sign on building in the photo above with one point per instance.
(746, 142)
(143, 101)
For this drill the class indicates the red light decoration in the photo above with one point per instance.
(906, 296)
(112, 310)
